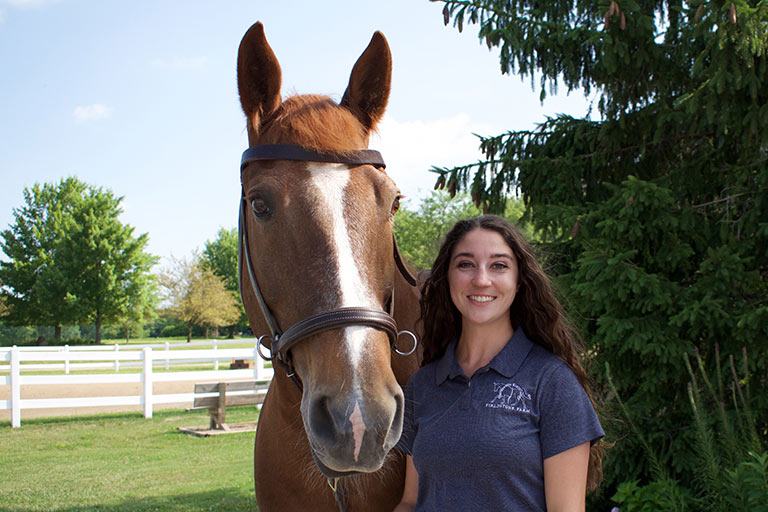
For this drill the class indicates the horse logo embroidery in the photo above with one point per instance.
(511, 397)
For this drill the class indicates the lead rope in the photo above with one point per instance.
(338, 493)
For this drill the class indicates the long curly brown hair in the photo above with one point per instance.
(535, 308)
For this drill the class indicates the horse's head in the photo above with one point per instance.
(319, 235)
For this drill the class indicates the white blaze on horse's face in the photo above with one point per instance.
(330, 181)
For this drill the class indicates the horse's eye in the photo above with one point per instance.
(260, 207)
(395, 205)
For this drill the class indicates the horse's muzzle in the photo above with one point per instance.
(354, 433)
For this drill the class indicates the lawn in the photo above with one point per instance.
(126, 463)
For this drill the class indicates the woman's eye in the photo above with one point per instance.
(465, 264)
(395, 206)
(260, 207)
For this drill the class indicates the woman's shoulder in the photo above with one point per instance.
(425, 378)
(547, 365)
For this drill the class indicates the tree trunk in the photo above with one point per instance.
(57, 334)
(98, 328)
(127, 334)
(231, 330)
(189, 333)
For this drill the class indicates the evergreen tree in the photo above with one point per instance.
(658, 210)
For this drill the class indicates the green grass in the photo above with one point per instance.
(126, 463)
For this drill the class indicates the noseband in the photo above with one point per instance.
(282, 341)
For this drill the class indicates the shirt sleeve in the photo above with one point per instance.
(405, 444)
(567, 417)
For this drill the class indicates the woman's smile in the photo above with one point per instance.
(481, 298)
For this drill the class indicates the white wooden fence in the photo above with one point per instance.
(37, 359)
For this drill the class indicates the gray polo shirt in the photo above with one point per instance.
(479, 443)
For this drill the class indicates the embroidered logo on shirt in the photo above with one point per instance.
(511, 397)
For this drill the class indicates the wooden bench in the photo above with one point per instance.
(250, 393)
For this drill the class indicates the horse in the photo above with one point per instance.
(318, 254)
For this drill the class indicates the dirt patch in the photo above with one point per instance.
(233, 428)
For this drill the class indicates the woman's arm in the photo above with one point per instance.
(565, 480)
(411, 490)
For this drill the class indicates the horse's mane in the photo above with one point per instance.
(315, 122)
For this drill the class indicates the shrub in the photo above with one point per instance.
(732, 473)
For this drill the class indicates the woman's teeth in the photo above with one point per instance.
(480, 298)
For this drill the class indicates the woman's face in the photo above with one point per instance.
(483, 278)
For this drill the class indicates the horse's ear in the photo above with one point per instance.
(258, 76)
(368, 90)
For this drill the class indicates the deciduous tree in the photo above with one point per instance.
(221, 257)
(71, 259)
(197, 296)
(419, 231)
(107, 270)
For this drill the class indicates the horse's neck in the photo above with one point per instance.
(406, 315)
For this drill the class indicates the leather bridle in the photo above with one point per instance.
(281, 341)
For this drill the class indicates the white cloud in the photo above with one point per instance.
(181, 63)
(412, 148)
(85, 113)
(28, 4)
(22, 4)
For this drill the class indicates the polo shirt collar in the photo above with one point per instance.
(506, 362)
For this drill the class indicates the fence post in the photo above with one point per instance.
(117, 360)
(15, 388)
(167, 361)
(66, 359)
(216, 362)
(147, 380)
(258, 365)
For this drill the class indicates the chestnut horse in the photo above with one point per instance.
(318, 258)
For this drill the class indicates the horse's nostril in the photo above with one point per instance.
(321, 419)
(399, 409)
(396, 427)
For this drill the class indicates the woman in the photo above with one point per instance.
(500, 415)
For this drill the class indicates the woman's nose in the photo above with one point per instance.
(481, 278)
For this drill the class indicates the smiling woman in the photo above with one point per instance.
(501, 382)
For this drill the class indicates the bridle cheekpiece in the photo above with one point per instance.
(282, 341)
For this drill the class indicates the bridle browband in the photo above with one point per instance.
(282, 341)
(299, 153)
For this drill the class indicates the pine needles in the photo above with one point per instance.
(732, 474)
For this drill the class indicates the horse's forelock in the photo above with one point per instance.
(315, 122)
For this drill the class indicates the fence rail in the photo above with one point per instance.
(67, 364)
(145, 356)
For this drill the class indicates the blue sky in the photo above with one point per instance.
(140, 98)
